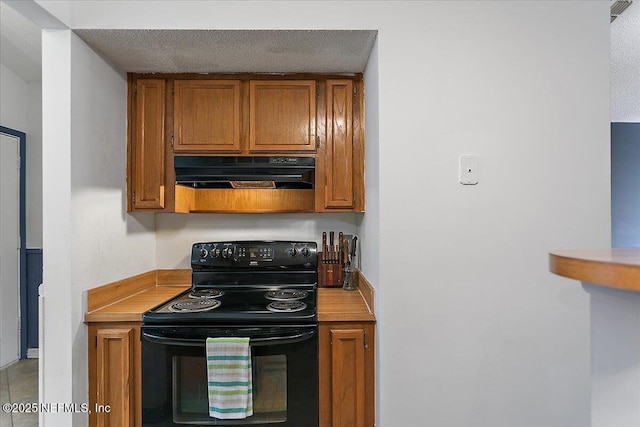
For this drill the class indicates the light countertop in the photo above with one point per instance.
(114, 303)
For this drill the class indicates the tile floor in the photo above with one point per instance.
(19, 384)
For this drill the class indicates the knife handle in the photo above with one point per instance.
(331, 248)
(324, 247)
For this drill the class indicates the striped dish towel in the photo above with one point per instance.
(229, 378)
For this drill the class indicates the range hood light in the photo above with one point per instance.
(252, 184)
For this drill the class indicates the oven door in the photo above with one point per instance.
(284, 366)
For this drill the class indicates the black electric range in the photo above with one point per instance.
(246, 282)
(261, 290)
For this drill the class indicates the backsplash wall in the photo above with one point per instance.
(175, 233)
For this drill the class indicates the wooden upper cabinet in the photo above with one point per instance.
(340, 156)
(147, 163)
(318, 116)
(282, 116)
(207, 115)
(339, 190)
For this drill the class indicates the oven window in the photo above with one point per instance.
(190, 400)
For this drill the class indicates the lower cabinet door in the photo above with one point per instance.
(346, 375)
(114, 354)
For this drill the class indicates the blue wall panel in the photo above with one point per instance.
(625, 185)
(34, 278)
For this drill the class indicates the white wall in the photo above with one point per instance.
(88, 240)
(34, 166)
(370, 225)
(473, 330)
(107, 244)
(615, 357)
(21, 109)
(57, 323)
(14, 95)
(491, 337)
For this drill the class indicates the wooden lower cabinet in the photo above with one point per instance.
(347, 374)
(114, 374)
(346, 355)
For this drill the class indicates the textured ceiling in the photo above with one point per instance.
(276, 52)
(625, 66)
(218, 51)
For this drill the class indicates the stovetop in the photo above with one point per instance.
(240, 304)
(250, 282)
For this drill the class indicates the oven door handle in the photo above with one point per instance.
(277, 340)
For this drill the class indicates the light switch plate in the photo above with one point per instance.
(469, 169)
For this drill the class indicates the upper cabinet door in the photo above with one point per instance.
(282, 116)
(207, 115)
(340, 190)
(147, 151)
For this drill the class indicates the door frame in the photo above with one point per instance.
(22, 139)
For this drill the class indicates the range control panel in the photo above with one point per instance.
(254, 254)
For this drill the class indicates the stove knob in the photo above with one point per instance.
(227, 252)
(292, 252)
(305, 252)
(215, 253)
(203, 253)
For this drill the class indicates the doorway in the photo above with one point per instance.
(13, 298)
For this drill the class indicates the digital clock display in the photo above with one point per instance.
(258, 253)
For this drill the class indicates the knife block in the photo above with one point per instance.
(329, 274)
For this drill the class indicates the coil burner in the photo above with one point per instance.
(286, 295)
(194, 305)
(206, 293)
(286, 306)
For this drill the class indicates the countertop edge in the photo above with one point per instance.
(130, 309)
(614, 268)
(94, 317)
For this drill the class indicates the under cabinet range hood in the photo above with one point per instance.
(245, 172)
